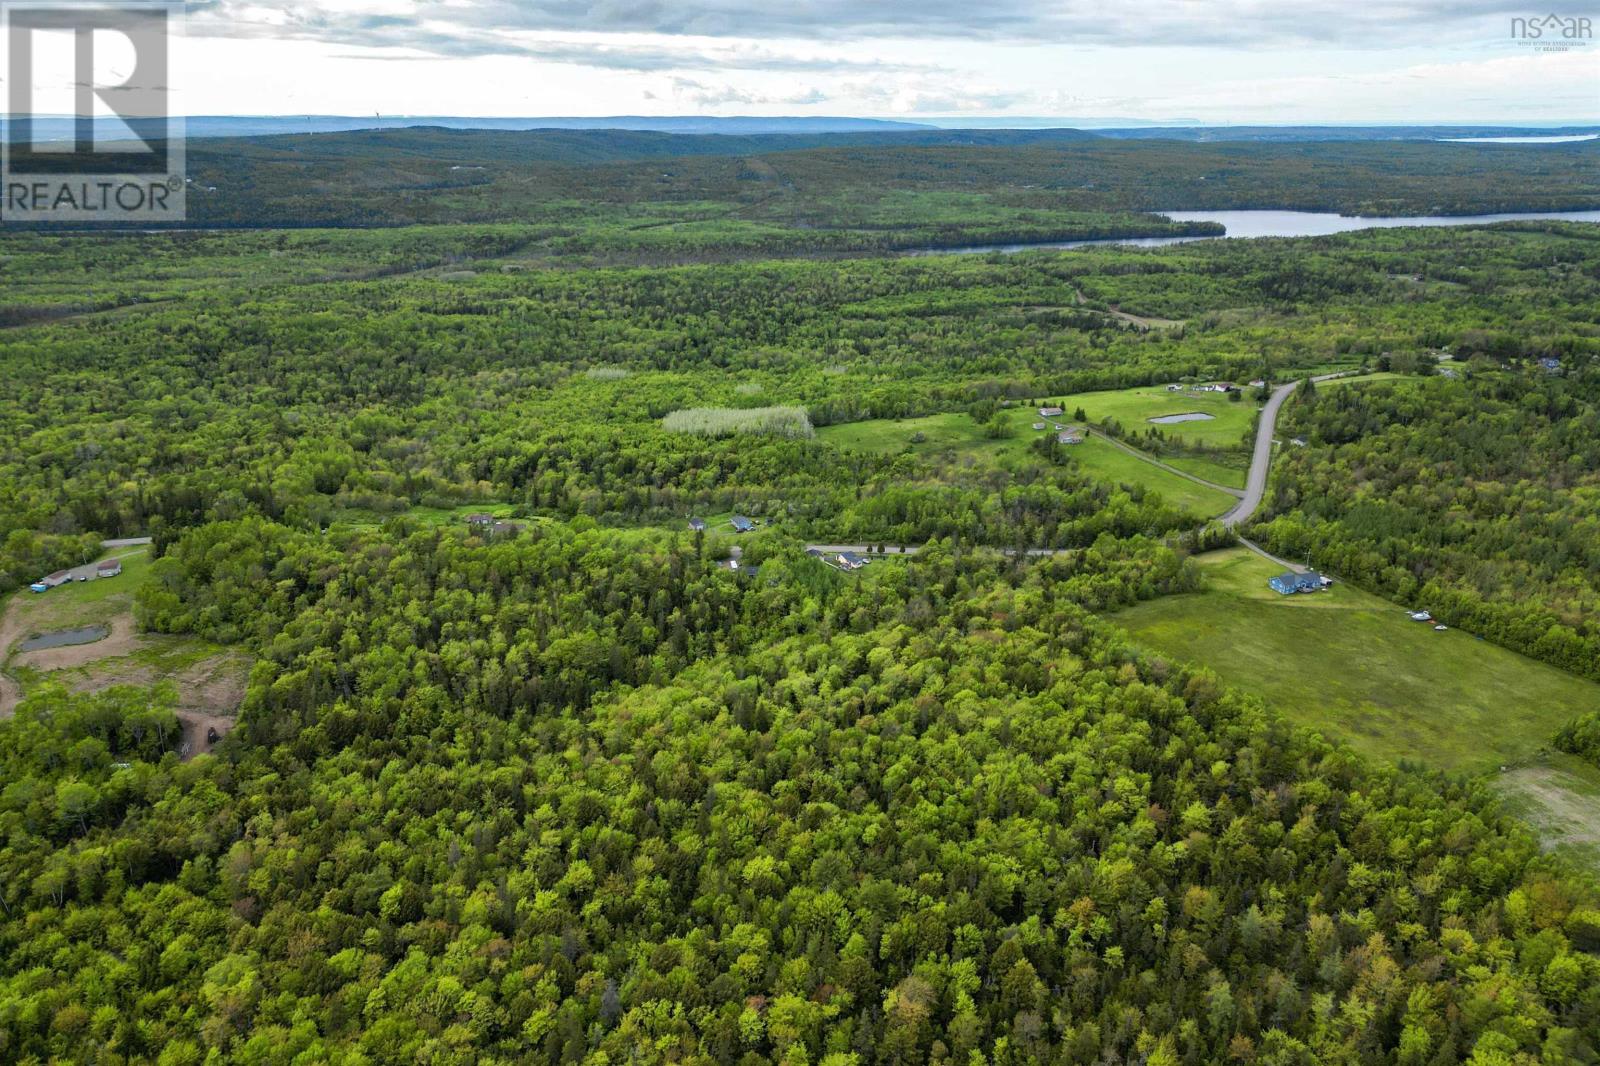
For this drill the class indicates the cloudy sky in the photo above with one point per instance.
(1235, 61)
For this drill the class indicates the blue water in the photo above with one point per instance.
(1274, 224)
(65, 638)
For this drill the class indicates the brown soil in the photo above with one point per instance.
(120, 641)
(10, 696)
(209, 694)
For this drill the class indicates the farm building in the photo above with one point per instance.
(1038, 425)
(697, 525)
(1287, 584)
(480, 521)
(1068, 436)
(741, 524)
(1050, 412)
(108, 568)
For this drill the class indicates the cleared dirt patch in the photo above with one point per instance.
(10, 696)
(1557, 803)
(209, 692)
(1144, 321)
(121, 641)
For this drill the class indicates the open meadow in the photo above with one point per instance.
(956, 438)
(1356, 668)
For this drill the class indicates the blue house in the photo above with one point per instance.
(1290, 583)
(741, 524)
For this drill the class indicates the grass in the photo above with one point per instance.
(1559, 796)
(80, 603)
(1230, 420)
(732, 421)
(1110, 463)
(1355, 667)
(958, 439)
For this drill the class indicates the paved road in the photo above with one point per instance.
(1255, 487)
(125, 542)
(1249, 500)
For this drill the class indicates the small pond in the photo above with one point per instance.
(1192, 416)
(81, 635)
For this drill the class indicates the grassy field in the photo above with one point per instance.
(79, 603)
(1356, 667)
(1559, 795)
(957, 438)
(1230, 420)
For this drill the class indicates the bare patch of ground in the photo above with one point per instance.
(1556, 803)
(1145, 322)
(122, 640)
(210, 687)
(209, 693)
(10, 696)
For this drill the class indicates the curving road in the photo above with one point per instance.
(1255, 487)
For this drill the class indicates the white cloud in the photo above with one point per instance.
(1221, 61)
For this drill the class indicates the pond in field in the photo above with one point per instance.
(1277, 224)
(1172, 420)
(65, 638)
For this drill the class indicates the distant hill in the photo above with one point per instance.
(1210, 134)
(555, 145)
(61, 127)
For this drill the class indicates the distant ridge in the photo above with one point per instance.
(60, 127)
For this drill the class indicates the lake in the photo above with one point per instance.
(1548, 138)
(1273, 224)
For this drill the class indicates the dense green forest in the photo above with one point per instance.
(572, 800)
(573, 788)
(675, 197)
(1473, 497)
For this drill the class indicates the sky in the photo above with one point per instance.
(1208, 61)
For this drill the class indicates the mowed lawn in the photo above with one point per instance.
(1230, 422)
(1356, 667)
(80, 603)
(960, 439)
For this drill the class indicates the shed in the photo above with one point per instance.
(108, 568)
